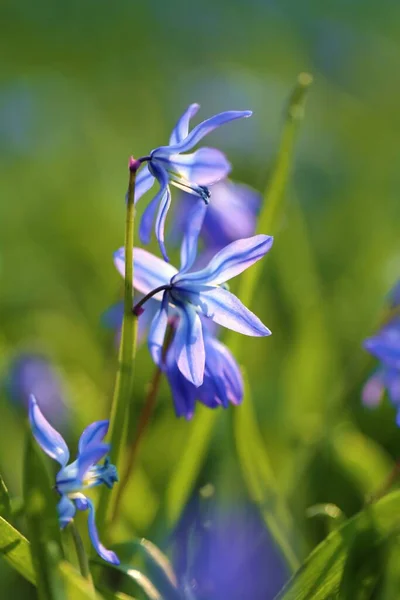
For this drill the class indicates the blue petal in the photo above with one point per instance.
(113, 316)
(183, 392)
(181, 129)
(222, 366)
(107, 555)
(189, 243)
(226, 309)
(144, 182)
(149, 272)
(200, 131)
(157, 331)
(146, 222)
(160, 222)
(93, 434)
(229, 262)
(89, 457)
(66, 511)
(188, 344)
(46, 436)
(204, 167)
(386, 344)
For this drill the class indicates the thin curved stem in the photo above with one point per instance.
(80, 552)
(138, 306)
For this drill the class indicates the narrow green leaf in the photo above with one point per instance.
(259, 477)
(160, 568)
(76, 587)
(319, 578)
(44, 532)
(5, 505)
(15, 549)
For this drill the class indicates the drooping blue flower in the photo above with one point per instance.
(189, 172)
(196, 293)
(222, 383)
(385, 346)
(83, 473)
(231, 215)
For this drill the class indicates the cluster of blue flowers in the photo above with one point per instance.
(182, 308)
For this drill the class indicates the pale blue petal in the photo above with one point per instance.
(386, 344)
(204, 167)
(144, 182)
(146, 222)
(107, 555)
(181, 129)
(89, 457)
(160, 222)
(189, 243)
(46, 436)
(226, 309)
(149, 272)
(66, 511)
(189, 346)
(229, 262)
(200, 131)
(157, 331)
(93, 434)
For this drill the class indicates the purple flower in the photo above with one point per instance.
(385, 346)
(189, 172)
(31, 373)
(191, 294)
(80, 475)
(231, 215)
(222, 383)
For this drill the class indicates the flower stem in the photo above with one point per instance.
(138, 306)
(126, 357)
(144, 420)
(80, 552)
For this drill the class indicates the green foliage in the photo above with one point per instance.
(5, 505)
(351, 560)
(44, 532)
(15, 549)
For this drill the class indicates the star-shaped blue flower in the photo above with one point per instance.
(192, 294)
(80, 475)
(189, 172)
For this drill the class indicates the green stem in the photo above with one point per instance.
(126, 359)
(80, 552)
(274, 195)
(144, 420)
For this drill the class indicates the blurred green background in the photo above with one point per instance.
(85, 84)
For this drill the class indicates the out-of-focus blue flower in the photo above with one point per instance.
(196, 293)
(222, 383)
(385, 346)
(114, 315)
(80, 475)
(231, 215)
(189, 172)
(32, 374)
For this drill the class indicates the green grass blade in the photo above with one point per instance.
(321, 575)
(15, 550)
(5, 505)
(260, 479)
(44, 532)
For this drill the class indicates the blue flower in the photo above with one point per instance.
(31, 373)
(80, 475)
(189, 172)
(222, 383)
(196, 293)
(231, 215)
(385, 346)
